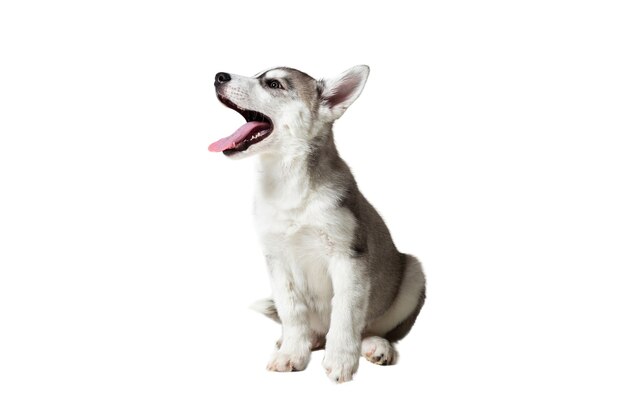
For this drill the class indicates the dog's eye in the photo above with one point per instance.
(274, 84)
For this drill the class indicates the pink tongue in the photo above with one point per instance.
(240, 134)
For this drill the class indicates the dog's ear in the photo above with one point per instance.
(339, 93)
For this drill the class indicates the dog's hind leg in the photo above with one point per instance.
(401, 315)
(378, 350)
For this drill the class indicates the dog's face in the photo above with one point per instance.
(284, 108)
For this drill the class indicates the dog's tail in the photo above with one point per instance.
(266, 307)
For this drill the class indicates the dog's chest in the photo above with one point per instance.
(294, 217)
(305, 231)
(303, 242)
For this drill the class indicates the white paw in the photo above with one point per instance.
(378, 350)
(288, 362)
(340, 365)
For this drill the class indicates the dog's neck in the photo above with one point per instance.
(290, 177)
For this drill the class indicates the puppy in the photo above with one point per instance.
(337, 279)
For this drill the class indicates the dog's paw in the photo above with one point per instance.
(378, 350)
(288, 362)
(340, 366)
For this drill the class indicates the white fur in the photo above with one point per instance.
(349, 306)
(276, 73)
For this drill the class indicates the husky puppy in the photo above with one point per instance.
(337, 279)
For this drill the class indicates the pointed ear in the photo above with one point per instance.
(339, 93)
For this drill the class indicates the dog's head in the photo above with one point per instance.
(284, 108)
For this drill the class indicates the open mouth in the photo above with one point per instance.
(258, 126)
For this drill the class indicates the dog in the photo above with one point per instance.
(338, 282)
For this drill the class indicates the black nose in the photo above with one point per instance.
(221, 78)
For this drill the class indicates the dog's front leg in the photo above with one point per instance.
(295, 349)
(347, 321)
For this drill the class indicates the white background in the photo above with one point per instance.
(490, 136)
